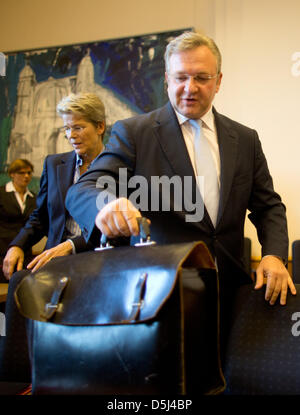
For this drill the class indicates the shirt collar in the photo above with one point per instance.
(79, 161)
(9, 187)
(208, 119)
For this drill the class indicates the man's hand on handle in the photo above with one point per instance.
(118, 218)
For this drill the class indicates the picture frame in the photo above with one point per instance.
(127, 74)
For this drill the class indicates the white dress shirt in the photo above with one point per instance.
(208, 130)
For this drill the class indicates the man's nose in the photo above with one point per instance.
(190, 84)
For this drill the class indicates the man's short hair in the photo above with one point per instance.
(188, 41)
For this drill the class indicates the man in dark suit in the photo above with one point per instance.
(84, 125)
(163, 143)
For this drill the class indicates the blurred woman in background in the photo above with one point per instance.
(16, 204)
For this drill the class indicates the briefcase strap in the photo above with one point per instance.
(138, 298)
(51, 307)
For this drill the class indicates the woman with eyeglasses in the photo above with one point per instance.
(16, 204)
(83, 118)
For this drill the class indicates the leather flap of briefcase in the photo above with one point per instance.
(114, 286)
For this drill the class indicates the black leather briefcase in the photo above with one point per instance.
(127, 320)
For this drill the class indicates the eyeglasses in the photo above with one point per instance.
(76, 128)
(201, 78)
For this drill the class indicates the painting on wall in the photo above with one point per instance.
(126, 73)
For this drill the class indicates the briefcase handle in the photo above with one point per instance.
(144, 233)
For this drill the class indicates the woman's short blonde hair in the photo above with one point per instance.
(18, 165)
(87, 105)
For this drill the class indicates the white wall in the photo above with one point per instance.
(30, 24)
(257, 38)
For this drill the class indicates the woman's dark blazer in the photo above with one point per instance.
(11, 217)
(49, 217)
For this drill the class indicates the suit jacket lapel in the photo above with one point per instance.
(228, 146)
(65, 173)
(30, 204)
(172, 142)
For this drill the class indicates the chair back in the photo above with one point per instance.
(296, 261)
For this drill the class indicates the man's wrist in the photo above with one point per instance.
(278, 257)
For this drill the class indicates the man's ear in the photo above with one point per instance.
(166, 81)
(220, 76)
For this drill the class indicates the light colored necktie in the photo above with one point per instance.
(205, 167)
